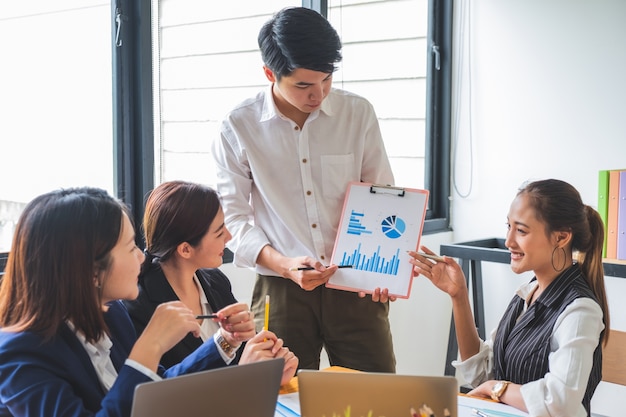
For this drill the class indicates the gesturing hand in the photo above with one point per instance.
(237, 323)
(445, 275)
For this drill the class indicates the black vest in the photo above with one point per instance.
(521, 348)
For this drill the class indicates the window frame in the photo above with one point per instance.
(133, 127)
(3, 263)
(438, 115)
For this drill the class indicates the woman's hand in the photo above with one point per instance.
(260, 347)
(266, 345)
(169, 324)
(445, 275)
(237, 323)
(291, 364)
(483, 390)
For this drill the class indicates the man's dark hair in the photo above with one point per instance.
(298, 37)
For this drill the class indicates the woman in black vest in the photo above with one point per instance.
(185, 239)
(545, 357)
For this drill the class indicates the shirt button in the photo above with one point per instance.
(296, 128)
(322, 257)
(313, 225)
(304, 160)
(308, 193)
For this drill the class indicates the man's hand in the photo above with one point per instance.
(379, 295)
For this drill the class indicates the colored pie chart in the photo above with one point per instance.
(393, 227)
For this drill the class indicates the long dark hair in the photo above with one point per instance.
(63, 239)
(559, 205)
(176, 212)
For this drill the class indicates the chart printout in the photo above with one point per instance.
(379, 224)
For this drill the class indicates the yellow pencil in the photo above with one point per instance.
(266, 326)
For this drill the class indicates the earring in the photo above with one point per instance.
(564, 259)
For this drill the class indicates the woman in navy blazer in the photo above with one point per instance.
(67, 345)
(185, 239)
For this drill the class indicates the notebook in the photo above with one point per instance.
(239, 390)
(324, 393)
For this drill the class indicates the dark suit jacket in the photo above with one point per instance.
(57, 378)
(154, 290)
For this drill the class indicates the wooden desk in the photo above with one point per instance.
(470, 256)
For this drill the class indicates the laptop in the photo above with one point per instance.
(329, 393)
(239, 390)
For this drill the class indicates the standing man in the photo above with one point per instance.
(284, 159)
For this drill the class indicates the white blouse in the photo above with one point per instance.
(574, 339)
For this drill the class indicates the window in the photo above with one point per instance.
(55, 101)
(384, 60)
(396, 53)
(207, 62)
(387, 52)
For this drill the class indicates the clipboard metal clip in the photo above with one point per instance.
(387, 189)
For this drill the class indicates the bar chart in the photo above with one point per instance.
(373, 262)
(355, 227)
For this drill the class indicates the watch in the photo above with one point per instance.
(224, 345)
(498, 390)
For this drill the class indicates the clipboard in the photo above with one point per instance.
(379, 224)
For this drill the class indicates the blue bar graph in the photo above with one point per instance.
(354, 224)
(374, 263)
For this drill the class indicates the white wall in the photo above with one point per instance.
(548, 99)
(548, 95)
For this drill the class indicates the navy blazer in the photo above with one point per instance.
(154, 289)
(57, 378)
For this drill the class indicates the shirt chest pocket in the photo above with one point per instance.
(337, 172)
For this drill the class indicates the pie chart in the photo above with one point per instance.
(393, 227)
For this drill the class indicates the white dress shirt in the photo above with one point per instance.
(209, 328)
(100, 356)
(285, 186)
(573, 341)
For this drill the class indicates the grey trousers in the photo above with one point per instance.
(354, 331)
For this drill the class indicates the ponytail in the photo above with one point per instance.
(592, 267)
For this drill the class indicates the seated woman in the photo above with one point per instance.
(185, 240)
(545, 356)
(67, 344)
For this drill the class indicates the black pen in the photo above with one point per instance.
(207, 316)
(310, 268)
